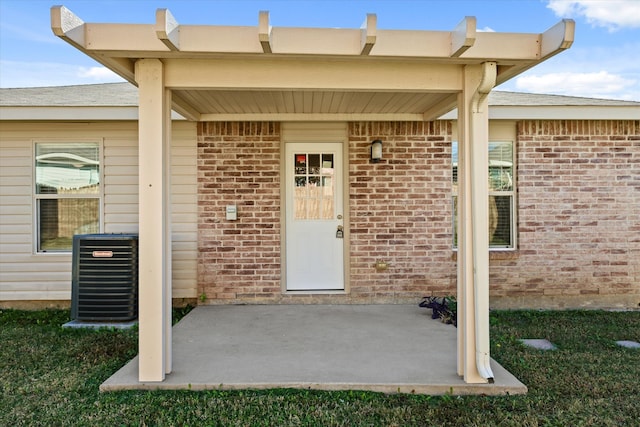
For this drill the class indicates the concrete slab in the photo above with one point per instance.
(100, 325)
(384, 348)
(628, 344)
(539, 344)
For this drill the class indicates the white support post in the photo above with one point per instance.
(466, 308)
(168, 241)
(153, 222)
(473, 213)
(480, 215)
(462, 228)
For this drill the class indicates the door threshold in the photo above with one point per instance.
(316, 292)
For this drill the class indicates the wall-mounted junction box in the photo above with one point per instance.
(232, 212)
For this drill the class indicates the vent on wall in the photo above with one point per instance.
(104, 284)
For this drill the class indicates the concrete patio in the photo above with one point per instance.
(384, 348)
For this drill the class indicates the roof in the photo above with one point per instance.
(103, 101)
(103, 95)
(110, 101)
(523, 106)
(534, 99)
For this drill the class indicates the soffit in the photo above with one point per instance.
(239, 73)
(307, 102)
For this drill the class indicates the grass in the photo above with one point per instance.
(50, 376)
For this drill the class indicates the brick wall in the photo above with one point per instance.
(238, 163)
(401, 211)
(578, 196)
(579, 216)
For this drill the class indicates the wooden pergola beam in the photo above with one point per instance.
(70, 28)
(264, 31)
(368, 34)
(298, 74)
(166, 35)
(168, 29)
(555, 40)
(66, 25)
(463, 36)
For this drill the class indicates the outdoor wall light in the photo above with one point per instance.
(376, 150)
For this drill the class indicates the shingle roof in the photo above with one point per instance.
(98, 95)
(533, 99)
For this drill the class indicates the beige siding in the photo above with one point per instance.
(184, 210)
(121, 184)
(25, 275)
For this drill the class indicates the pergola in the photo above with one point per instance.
(260, 73)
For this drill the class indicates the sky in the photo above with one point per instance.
(604, 61)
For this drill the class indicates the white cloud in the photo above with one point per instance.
(486, 30)
(33, 74)
(611, 14)
(99, 74)
(600, 84)
(589, 71)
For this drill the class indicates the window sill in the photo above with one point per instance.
(54, 253)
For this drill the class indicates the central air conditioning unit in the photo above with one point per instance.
(104, 284)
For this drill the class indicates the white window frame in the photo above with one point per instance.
(37, 197)
(512, 193)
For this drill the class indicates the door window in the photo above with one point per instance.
(314, 186)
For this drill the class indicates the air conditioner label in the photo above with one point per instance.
(103, 254)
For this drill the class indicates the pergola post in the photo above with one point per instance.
(155, 230)
(473, 223)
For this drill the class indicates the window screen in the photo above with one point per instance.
(67, 193)
(501, 194)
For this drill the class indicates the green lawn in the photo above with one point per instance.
(50, 376)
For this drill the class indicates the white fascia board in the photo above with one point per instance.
(565, 112)
(73, 113)
(69, 113)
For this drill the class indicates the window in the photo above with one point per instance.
(314, 192)
(67, 193)
(501, 194)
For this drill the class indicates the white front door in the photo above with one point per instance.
(314, 217)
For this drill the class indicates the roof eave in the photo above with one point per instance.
(71, 113)
(558, 112)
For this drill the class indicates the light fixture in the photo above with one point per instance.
(376, 150)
